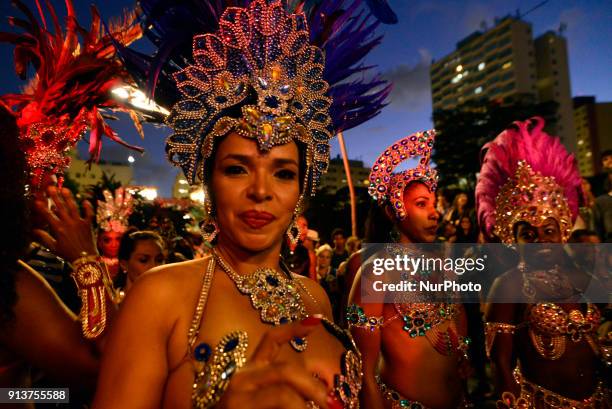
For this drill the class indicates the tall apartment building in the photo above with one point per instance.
(593, 123)
(503, 63)
(335, 178)
(554, 84)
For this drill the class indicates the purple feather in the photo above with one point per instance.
(344, 29)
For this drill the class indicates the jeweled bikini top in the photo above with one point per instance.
(552, 320)
(216, 365)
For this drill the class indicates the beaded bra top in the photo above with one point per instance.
(551, 320)
(216, 365)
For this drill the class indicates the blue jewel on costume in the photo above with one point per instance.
(202, 352)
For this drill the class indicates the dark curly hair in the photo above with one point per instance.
(13, 211)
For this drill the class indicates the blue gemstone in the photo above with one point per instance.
(283, 320)
(347, 390)
(273, 281)
(202, 352)
(272, 102)
(299, 341)
(231, 345)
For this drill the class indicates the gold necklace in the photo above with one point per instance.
(275, 296)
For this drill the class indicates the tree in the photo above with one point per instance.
(461, 133)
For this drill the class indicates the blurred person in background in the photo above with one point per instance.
(139, 252)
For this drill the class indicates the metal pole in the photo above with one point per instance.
(349, 180)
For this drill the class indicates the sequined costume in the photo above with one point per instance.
(274, 73)
(216, 365)
(528, 176)
(419, 319)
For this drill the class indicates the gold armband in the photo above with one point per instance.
(94, 284)
(491, 331)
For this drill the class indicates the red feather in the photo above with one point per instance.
(75, 69)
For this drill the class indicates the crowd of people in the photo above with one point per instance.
(251, 307)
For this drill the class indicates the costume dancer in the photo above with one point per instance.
(75, 71)
(252, 122)
(112, 218)
(544, 354)
(422, 345)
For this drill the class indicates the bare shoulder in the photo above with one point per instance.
(318, 293)
(166, 286)
(173, 277)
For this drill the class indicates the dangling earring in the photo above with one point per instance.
(209, 226)
(209, 229)
(293, 232)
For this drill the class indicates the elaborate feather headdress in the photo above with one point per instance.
(269, 71)
(526, 175)
(72, 82)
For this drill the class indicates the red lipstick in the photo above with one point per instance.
(256, 219)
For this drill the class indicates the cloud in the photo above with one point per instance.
(411, 84)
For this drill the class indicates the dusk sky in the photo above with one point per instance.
(426, 30)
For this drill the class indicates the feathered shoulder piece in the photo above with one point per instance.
(526, 175)
(288, 70)
(75, 70)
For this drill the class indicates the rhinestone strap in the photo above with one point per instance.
(194, 329)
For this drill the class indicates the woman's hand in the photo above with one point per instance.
(266, 383)
(70, 235)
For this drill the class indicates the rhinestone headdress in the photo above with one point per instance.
(113, 212)
(526, 175)
(262, 56)
(73, 81)
(386, 185)
(530, 197)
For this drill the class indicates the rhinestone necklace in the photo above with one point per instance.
(274, 295)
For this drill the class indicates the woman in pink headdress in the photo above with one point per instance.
(421, 345)
(544, 353)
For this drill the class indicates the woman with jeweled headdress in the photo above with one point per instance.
(544, 350)
(252, 122)
(112, 218)
(413, 352)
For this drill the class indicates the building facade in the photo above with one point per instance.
(505, 63)
(86, 174)
(593, 123)
(335, 178)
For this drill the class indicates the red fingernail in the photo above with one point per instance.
(311, 321)
(333, 402)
